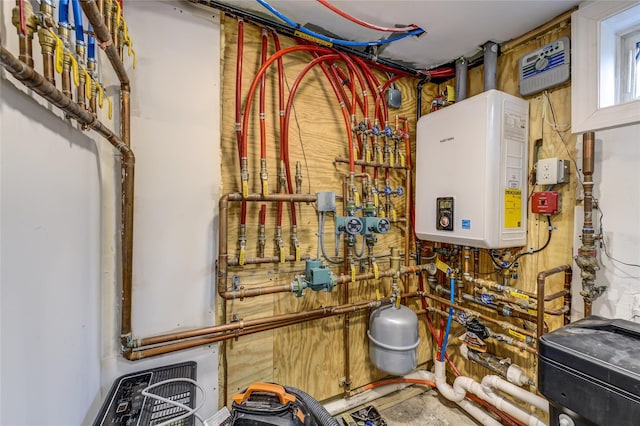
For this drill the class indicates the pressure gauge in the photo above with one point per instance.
(353, 226)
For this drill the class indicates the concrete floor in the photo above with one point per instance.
(425, 409)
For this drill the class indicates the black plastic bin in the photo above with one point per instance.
(590, 372)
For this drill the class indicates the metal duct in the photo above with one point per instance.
(490, 64)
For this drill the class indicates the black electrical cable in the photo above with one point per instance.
(525, 253)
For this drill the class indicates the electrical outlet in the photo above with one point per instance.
(551, 171)
(547, 171)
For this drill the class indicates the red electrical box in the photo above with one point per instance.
(545, 202)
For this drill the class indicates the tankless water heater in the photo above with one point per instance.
(471, 172)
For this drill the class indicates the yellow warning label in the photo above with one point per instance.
(316, 40)
(534, 312)
(443, 266)
(517, 335)
(519, 295)
(512, 208)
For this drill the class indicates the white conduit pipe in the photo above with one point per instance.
(497, 382)
(478, 413)
(463, 384)
(346, 404)
(457, 395)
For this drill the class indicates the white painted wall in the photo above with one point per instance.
(59, 347)
(617, 188)
(51, 250)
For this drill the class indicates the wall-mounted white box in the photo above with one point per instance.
(471, 172)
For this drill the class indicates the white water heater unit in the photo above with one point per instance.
(471, 172)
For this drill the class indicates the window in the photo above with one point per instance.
(630, 66)
(605, 66)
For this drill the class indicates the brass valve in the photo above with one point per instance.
(31, 20)
(47, 40)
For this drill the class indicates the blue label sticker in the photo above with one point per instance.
(462, 317)
(466, 224)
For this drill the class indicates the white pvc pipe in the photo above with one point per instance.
(463, 384)
(497, 382)
(478, 413)
(445, 388)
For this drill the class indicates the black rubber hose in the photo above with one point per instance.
(317, 410)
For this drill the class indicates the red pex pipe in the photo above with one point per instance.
(363, 23)
(263, 214)
(374, 85)
(239, 84)
(256, 80)
(341, 77)
(239, 53)
(263, 129)
(252, 91)
(276, 43)
(296, 85)
(384, 87)
(23, 20)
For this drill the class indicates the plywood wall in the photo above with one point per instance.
(311, 355)
(308, 355)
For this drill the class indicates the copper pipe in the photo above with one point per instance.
(466, 254)
(240, 328)
(476, 262)
(47, 41)
(40, 85)
(496, 286)
(30, 78)
(103, 36)
(502, 324)
(243, 293)
(234, 261)
(223, 207)
(125, 113)
(93, 102)
(106, 42)
(385, 165)
(587, 307)
(346, 383)
(557, 295)
(26, 49)
(542, 277)
(127, 217)
(47, 66)
(126, 233)
(25, 38)
(346, 342)
(66, 78)
(106, 15)
(586, 259)
(505, 339)
(407, 224)
(81, 97)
